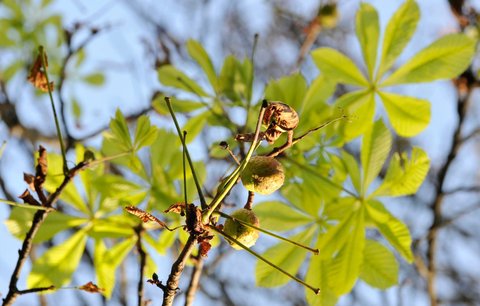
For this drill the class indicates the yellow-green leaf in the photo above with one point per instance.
(409, 116)
(360, 106)
(277, 216)
(443, 59)
(404, 176)
(395, 231)
(376, 145)
(379, 268)
(399, 30)
(198, 53)
(367, 29)
(172, 77)
(338, 67)
(57, 264)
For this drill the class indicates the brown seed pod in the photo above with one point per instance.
(280, 116)
(243, 234)
(263, 175)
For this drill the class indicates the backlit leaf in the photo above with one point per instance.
(172, 77)
(379, 268)
(367, 29)
(277, 216)
(198, 53)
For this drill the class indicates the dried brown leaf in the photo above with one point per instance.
(178, 208)
(205, 246)
(28, 198)
(194, 220)
(42, 166)
(91, 287)
(145, 216)
(29, 179)
(37, 75)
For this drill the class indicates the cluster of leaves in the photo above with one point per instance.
(318, 201)
(330, 199)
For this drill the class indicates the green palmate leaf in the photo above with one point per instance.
(285, 255)
(164, 242)
(290, 90)
(335, 238)
(227, 79)
(353, 170)
(120, 132)
(145, 133)
(409, 116)
(107, 261)
(338, 67)
(199, 54)
(278, 216)
(317, 276)
(172, 77)
(70, 194)
(360, 105)
(404, 176)
(105, 228)
(118, 187)
(57, 264)
(443, 59)
(379, 268)
(376, 145)
(399, 30)
(345, 267)
(368, 29)
(395, 231)
(95, 79)
(195, 125)
(20, 221)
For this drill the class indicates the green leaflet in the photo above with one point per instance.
(145, 133)
(404, 176)
(353, 170)
(198, 53)
(195, 125)
(278, 216)
(106, 262)
(376, 145)
(368, 31)
(180, 106)
(399, 31)
(164, 242)
(360, 106)
(95, 79)
(409, 116)
(170, 76)
(20, 221)
(345, 267)
(338, 67)
(395, 231)
(290, 90)
(379, 268)
(443, 59)
(57, 264)
(317, 276)
(285, 255)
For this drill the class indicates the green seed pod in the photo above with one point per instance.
(263, 175)
(243, 234)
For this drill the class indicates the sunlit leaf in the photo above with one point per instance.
(443, 59)
(290, 90)
(376, 145)
(277, 216)
(317, 276)
(195, 125)
(179, 106)
(360, 106)
(345, 267)
(353, 170)
(57, 264)
(198, 53)
(285, 255)
(172, 77)
(20, 221)
(95, 79)
(338, 67)
(395, 231)
(367, 29)
(398, 33)
(404, 176)
(379, 268)
(145, 133)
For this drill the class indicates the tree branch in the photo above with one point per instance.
(194, 281)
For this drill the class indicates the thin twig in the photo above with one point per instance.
(171, 287)
(143, 261)
(194, 281)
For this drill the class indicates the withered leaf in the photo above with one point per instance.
(37, 75)
(205, 246)
(28, 198)
(29, 179)
(178, 208)
(194, 219)
(42, 165)
(91, 287)
(145, 216)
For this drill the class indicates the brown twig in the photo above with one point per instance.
(194, 281)
(24, 252)
(143, 261)
(462, 107)
(171, 287)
